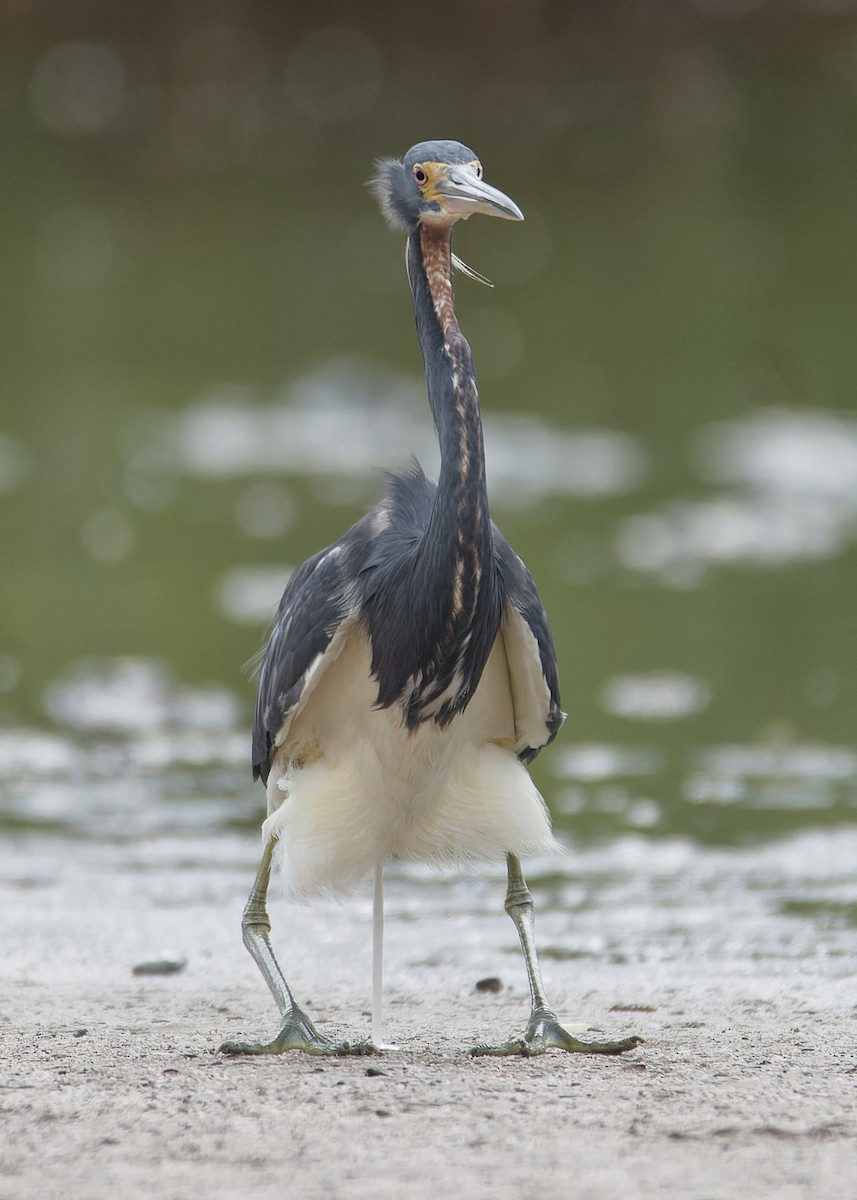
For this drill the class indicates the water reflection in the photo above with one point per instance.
(250, 594)
(661, 923)
(727, 793)
(351, 417)
(588, 762)
(661, 696)
(143, 757)
(791, 452)
(797, 777)
(797, 472)
(136, 695)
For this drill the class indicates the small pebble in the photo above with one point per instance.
(161, 966)
(491, 984)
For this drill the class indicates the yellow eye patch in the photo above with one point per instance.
(434, 173)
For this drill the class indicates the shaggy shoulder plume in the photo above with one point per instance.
(389, 185)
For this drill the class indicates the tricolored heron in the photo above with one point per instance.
(411, 672)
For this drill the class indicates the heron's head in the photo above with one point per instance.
(437, 183)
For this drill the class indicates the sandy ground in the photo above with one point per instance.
(738, 1102)
(110, 1087)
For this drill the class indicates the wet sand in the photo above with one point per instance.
(728, 1104)
(110, 1086)
(116, 1091)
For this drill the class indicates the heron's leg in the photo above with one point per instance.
(543, 1031)
(297, 1031)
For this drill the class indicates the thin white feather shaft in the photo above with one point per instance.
(378, 955)
(461, 265)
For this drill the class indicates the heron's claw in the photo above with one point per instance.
(298, 1033)
(544, 1033)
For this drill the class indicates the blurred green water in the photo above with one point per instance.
(186, 218)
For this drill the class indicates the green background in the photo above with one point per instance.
(183, 223)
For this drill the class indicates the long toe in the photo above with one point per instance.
(281, 1045)
(544, 1033)
(298, 1033)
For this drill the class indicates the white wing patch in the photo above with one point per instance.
(312, 676)
(353, 786)
(531, 699)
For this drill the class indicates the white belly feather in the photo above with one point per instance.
(350, 786)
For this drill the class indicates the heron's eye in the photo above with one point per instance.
(420, 176)
(479, 170)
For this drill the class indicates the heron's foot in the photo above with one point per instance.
(298, 1033)
(544, 1033)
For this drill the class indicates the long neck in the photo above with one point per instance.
(459, 527)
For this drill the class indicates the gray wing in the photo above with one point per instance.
(316, 601)
(531, 655)
(334, 587)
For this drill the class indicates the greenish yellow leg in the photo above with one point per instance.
(297, 1031)
(543, 1031)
